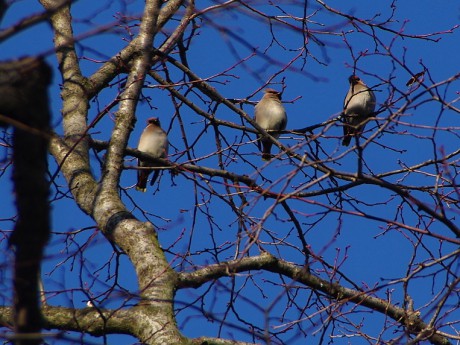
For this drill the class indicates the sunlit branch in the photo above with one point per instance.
(298, 274)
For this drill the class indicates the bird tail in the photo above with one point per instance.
(142, 176)
(266, 152)
(140, 189)
(154, 177)
(346, 140)
(267, 156)
(347, 130)
(348, 133)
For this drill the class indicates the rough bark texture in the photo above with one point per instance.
(24, 103)
(155, 57)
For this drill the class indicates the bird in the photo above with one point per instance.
(154, 141)
(416, 78)
(359, 104)
(271, 116)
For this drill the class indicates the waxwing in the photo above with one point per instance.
(271, 116)
(359, 105)
(154, 141)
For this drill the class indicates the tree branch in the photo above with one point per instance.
(267, 262)
(24, 89)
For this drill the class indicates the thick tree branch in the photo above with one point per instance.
(122, 61)
(27, 22)
(24, 97)
(75, 101)
(99, 322)
(267, 262)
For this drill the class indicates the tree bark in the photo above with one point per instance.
(24, 104)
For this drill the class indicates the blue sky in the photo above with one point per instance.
(311, 96)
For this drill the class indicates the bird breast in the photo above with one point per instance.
(156, 143)
(272, 117)
(362, 103)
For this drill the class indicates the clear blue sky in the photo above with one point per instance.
(318, 93)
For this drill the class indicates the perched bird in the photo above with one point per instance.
(416, 78)
(271, 116)
(359, 105)
(154, 141)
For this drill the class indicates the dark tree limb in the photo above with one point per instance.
(24, 105)
(408, 319)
